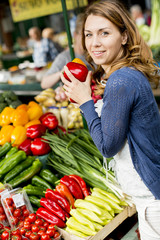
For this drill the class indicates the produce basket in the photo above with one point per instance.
(107, 229)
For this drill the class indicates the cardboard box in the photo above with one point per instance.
(107, 229)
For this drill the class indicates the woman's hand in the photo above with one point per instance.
(80, 92)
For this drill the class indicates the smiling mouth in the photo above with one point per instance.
(98, 53)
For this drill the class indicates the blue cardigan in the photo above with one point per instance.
(129, 111)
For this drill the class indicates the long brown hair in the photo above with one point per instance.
(136, 53)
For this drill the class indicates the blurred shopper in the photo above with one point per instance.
(52, 76)
(137, 15)
(44, 50)
(49, 34)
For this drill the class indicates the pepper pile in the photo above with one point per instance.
(35, 144)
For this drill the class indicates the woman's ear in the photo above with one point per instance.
(124, 37)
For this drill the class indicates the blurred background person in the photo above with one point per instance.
(137, 14)
(52, 76)
(44, 50)
(49, 33)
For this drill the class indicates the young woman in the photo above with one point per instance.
(127, 127)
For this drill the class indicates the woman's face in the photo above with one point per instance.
(103, 40)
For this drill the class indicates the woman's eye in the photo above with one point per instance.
(87, 34)
(104, 33)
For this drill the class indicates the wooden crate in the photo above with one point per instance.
(107, 229)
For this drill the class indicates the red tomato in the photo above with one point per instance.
(17, 212)
(35, 228)
(1, 210)
(5, 235)
(2, 217)
(50, 232)
(16, 232)
(23, 207)
(39, 222)
(14, 220)
(46, 224)
(16, 237)
(34, 236)
(9, 201)
(45, 237)
(32, 217)
(11, 209)
(41, 232)
(20, 224)
(22, 230)
(28, 234)
(26, 212)
(43, 228)
(56, 235)
(27, 225)
(26, 220)
(52, 226)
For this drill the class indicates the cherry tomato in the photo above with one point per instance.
(32, 217)
(14, 220)
(5, 235)
(22, 230)
(1, 210)
(50, 232)
(46, 224)
(51, 226)
(43, 228)
(56, 234)
(25, 212)
(16, 237)
(39, 222)
(16, 232)
(41, 232)
(2, 217)
(9, 201)
(28, 234)
(23, 207)
(11, 209)
(20, 224)
(34, 236)
(26, 220)
(35, 228)
(45, 237)
(17, 212)
(27, 225)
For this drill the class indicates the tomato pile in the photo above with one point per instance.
(33, 228)
(16, 215)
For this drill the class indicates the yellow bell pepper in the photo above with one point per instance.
(19, 117)
(34, 111)
(23, 106)
(5, 116)
(33, 122)
(18, 135)
(5, 134)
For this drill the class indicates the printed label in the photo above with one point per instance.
(18, 200)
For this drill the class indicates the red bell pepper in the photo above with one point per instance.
(39, 147)
(57, 197)
(26, 146)
(58, 129)
(53, 207)
(64, 191)
(78, 70)
(36, 131)
(81, 183)
(50, 121)
(73, 187)
(50, 217)
(44, 115)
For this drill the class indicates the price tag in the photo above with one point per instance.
(18, 200)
